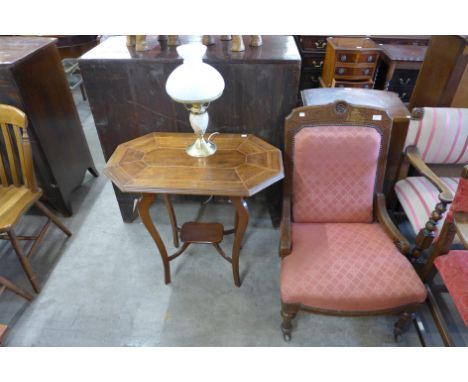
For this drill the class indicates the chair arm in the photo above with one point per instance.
(460, 219)
(285, 229)
(414, 157)
(389, 227)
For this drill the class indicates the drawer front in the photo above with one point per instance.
(313, 43)
(354, 58)
(309, 80)
(349, 84)
(348, 72)
(314, 63)
(403, 79)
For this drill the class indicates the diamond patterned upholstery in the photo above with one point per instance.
(453, 269)
(334, 173)
(347, 267)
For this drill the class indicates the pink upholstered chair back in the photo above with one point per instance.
(334, 174)
(460, 201)
(440, 134)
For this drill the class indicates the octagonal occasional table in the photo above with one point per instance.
(158, 164)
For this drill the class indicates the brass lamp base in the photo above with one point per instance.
(201, 148)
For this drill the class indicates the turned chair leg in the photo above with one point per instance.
(24, 261)
(52, 217)
(402, 325)
(288, 315)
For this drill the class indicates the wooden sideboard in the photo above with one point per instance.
(128, 99)
(32, 79)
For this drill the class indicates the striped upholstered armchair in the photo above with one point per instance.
(436, 150)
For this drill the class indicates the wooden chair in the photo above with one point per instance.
(18, 190)
(436, 148)
(340, 252)
(452, 265)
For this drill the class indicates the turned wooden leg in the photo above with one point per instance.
(52, 217)
(143, 209)
(9, 285)
(24, 261)
(172, 218)
(288, 313)
(402, 325)
(426, 236)
(242, 219)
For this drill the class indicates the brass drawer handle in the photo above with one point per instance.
(343, 58)
(320, 44)
(341, 71)
(365, 72)
(317, 66)
(404, 82)
(370, 58)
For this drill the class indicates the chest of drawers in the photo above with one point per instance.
(399, 68)
(350, 59)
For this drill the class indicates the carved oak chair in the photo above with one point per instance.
(452, 265)
(341, 253)
(18, 189)
(436, 148)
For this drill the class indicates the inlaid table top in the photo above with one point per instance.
(157, 163)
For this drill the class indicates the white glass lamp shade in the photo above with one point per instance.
(194, 81)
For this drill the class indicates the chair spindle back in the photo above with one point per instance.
(16, 168)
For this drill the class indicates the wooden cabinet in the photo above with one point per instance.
(353, 59)
(312, 50)
(32, 79)
(128, 99)
(399, 68)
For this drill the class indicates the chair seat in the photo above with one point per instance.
(453, 269)
(349, 267)
(418, 197)
(14, 201)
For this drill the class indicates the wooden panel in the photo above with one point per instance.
(441, 73)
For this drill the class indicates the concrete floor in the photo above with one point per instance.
(104, 285)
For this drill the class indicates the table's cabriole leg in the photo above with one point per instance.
(242, 219)
(172, 218)
(143, 208)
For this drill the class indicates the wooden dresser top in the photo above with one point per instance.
(17, 48)
(274, 49)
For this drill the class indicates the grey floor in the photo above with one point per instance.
(104, 285)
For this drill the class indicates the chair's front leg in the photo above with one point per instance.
(288, 313)
(24, 261)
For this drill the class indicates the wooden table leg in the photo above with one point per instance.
(143, 208)
(172, 218)
(242, 219)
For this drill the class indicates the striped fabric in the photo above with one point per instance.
(441, 135)
(418, 197)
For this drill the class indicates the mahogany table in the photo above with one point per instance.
(157, 164)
